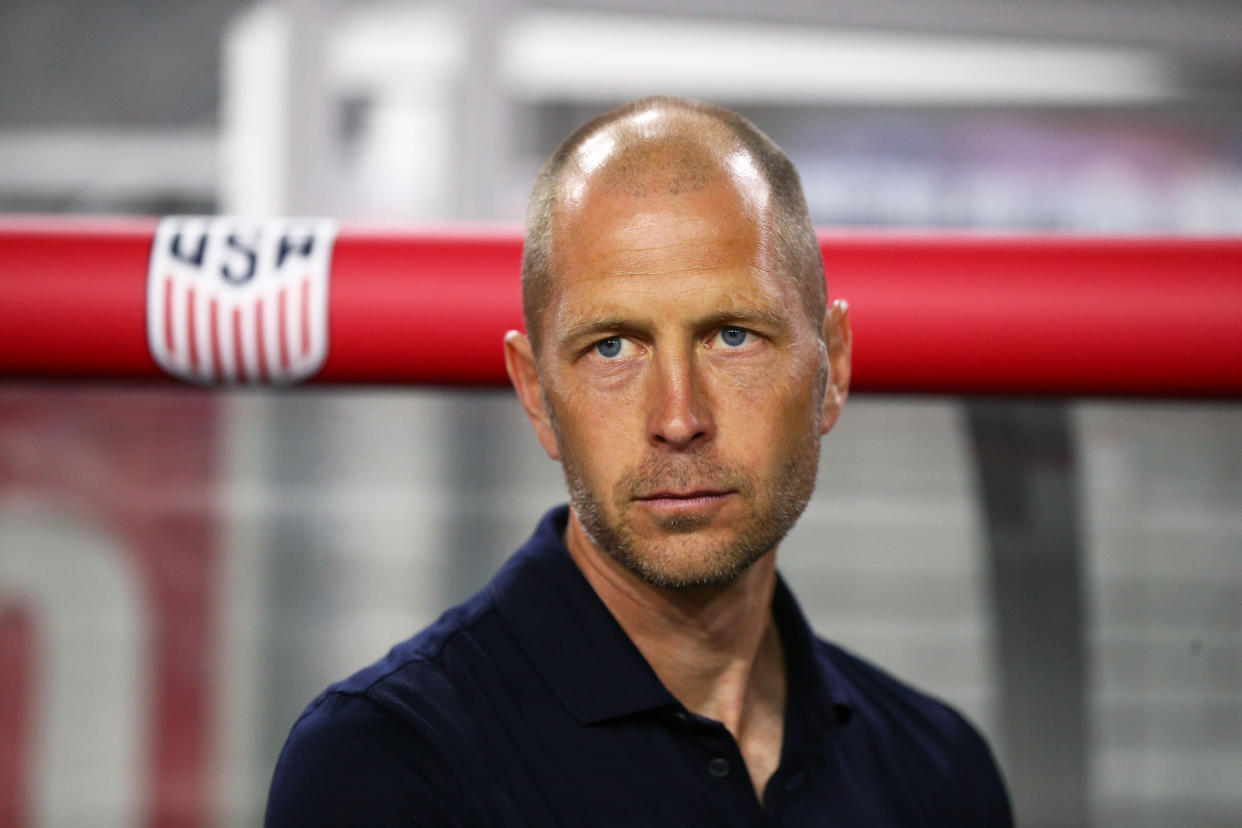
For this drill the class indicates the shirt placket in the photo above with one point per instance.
(716, 761)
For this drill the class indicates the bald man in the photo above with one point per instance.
(639, 661)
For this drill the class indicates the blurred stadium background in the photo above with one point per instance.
(181, 572)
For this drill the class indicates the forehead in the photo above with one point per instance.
(710, 245)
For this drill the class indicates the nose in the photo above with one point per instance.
(680, 414)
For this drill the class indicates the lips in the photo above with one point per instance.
(694, 494)
(696, 503)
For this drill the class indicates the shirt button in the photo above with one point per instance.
(718, 767)
(795, 780)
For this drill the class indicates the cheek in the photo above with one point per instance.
(600, 418)
(603, 404)
(769, 383)
(767, 412)
(593, 436)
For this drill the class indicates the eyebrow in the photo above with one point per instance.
(606, 325)
(746, 318)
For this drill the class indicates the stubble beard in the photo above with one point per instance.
(681, 558)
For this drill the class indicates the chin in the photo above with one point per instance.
(686, 561)
(685, 549)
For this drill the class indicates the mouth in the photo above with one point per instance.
(688, 500)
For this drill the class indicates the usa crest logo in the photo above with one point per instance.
(233, 300)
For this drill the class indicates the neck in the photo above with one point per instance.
(716, 649)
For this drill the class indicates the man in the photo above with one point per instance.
(639, 662)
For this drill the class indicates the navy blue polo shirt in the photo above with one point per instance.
(528, 705)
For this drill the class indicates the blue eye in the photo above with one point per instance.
(609, 347)
(733, 337)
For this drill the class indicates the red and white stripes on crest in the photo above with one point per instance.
(258, 343)
(231, 301)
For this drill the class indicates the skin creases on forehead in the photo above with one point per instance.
(714, 231)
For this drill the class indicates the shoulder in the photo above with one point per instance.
(414, 738)
(383, 742)
(937, 747)
(344, 761)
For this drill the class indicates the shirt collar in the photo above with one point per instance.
(568, 633)
(809, 683)
(589, 661)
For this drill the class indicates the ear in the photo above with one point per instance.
(520, 363)
(838, 338)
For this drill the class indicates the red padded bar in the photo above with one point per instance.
(931, 314)
(1153, 317)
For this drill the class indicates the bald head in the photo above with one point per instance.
(670, 146)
